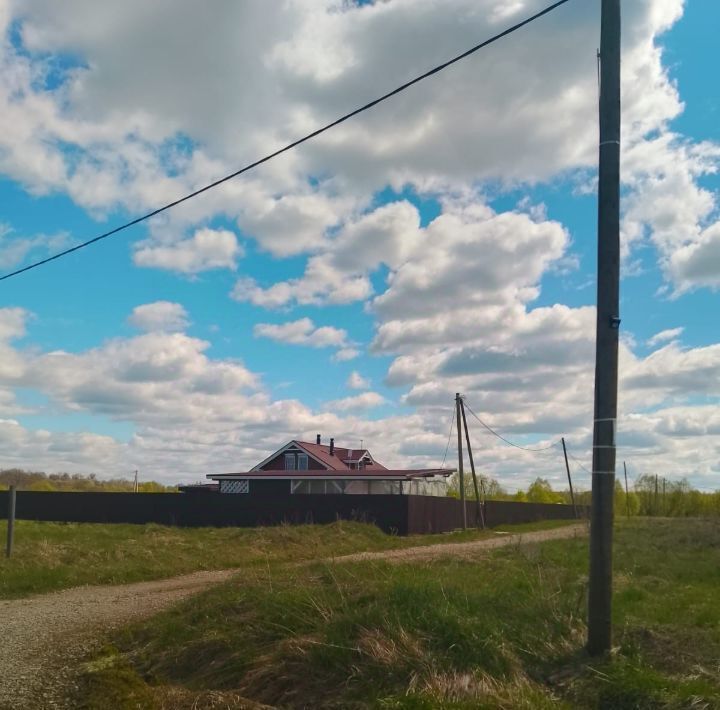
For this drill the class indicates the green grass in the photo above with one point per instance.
(502, 631)
(51, 556)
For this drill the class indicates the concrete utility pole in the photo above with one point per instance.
(461, 474)
(606, 347)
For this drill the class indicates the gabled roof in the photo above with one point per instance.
(338, 461)
(321, 454)
(351, 475)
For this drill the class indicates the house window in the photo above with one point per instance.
(302, 462)
(289, 462)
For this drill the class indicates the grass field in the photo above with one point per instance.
(502, 631)
(51, 556)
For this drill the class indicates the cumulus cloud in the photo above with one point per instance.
(697, 263)
(356, 381)
(160, 315)
(207, 249)
(302, 332)
(138, 138)
(14, 248)
(664, 335)
(345, 354)
(454, 301)
(384, 236)
(359, 402)
(192, 414)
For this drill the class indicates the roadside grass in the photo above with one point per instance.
(52, 556)
(504, 630)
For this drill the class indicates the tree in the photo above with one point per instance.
(540, 491)
(493, 490)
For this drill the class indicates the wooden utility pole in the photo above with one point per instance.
(664, 506)
(10, 521)
(480, 517)
(656, 507)
(627, 494)
(461, 474)
(567, 468)
(607, 331)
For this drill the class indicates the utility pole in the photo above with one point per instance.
(478, 504)
(607, 329)
(656, 506)
(136, 487)
(664, 508)
(567, 468)
(458, 415)
(627, 495)
(10, 522)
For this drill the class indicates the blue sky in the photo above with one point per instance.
(329, 292)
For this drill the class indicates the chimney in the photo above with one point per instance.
(318, 440)
(332, 447)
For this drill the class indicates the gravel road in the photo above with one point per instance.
(466, 549)
(43, 638)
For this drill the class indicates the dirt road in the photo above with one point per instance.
(43, 638)
(466, 549)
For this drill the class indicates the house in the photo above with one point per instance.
(301, 467)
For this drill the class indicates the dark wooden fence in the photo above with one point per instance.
(403, 515)
(433, 515)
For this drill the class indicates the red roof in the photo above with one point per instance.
(382, 474)
(337, 462)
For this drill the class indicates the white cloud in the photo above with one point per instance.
(302, 332)
(207, 249)
(359, 402)
(345, 354)
(457, 311)
(14, 249)
(13, 323)
(137, 137)
(356, 381)
(386, 235)
(667, 206)
(664, 336)
(159, 316)
(697, 263)
(193, 414)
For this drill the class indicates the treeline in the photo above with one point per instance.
(40, 481)
(655, 495)
(649, 495)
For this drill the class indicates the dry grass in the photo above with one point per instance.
(51, 556)
(505, 631)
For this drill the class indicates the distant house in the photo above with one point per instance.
(300, 467)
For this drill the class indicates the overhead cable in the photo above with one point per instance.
(507, 441)
(447, 448)
(579, 463)
(289, 146)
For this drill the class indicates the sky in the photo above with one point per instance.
(442, 242)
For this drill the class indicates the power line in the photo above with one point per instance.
(447, 448)
(507, 441)
(289, 146)
(579, 463)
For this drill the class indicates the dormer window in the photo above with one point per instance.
(302, 462)
(290, 462)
